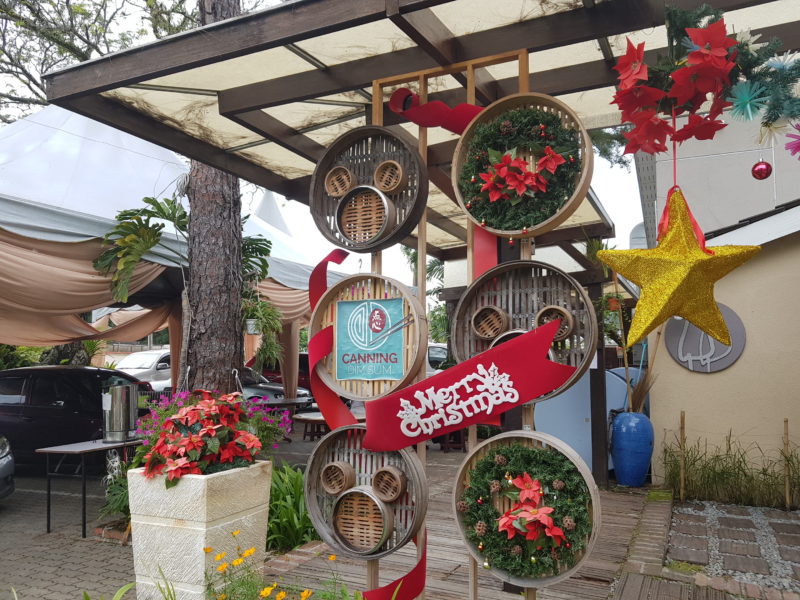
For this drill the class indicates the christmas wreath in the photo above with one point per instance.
(520, 169)
(548, 525)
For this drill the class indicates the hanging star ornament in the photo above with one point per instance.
(677, 277)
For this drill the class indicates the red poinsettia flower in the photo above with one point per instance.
(698, 127)
(631, 67)
(529, 489)
(717, 106)
(550, 160)
(556, 533)
(495, 185)
(649, 133)
(692, 83)
(248, 439)
(521, 182)
(228, 452)
(636, 98)
(713, 43)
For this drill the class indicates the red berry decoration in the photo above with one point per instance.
(571, 159)
(469, 205)
(541, 126)
(483, 222)
(480, 500)
(472, 179)
(569, 545)
(761, 170)
(511, 242)
(524, 230)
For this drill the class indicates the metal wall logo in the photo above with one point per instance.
(700, 353)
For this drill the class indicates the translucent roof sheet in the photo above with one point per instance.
(468, 16)
(357, 42)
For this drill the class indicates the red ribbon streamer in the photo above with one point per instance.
(432, 114)
(663, 223)
(333, 410)
(413, 583)
(459, 392)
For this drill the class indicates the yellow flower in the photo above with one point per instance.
(332, 557)
(222, 597)
(248, 552)
(305, 594)
(236, 562)
(220, 556)
(280, 596)
(208, 549)
(267, 591)
(235, 533)
(222, 567)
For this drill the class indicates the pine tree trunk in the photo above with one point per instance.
(215, 259)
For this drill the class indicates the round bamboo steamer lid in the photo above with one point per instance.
(489, 321)
(361, 520)
(390, 177)
(550, 313)
(408, 510)
(522, 289)
(363, 216)
(337, 476)
(368, 286)
(503, 503)
(568, 119)
(389, 483)
(338, 181)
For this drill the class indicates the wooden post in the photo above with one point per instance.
(786, 470)
(598, 405)
(373, 580)
(682, 442)
(530, 593)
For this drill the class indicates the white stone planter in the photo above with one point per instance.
(172, 526)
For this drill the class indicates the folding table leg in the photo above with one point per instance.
(48, 492)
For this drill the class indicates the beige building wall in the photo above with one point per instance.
(753, 396)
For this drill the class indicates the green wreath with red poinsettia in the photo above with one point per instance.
(520, 169)
(547, 528)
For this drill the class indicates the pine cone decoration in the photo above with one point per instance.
(568, 523)
(558, 484)
(494, 486)
(516, 550)
(461, 506)
(500, 460)
(507, 128)
(481, 529)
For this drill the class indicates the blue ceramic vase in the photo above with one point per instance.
(631, 447)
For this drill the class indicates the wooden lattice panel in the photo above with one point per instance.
(353, 521)
(362, 151)
(415, 333)
(522, 289)
(503, 503)
(363, 215)
(568, 119)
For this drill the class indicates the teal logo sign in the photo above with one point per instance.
(369, 339)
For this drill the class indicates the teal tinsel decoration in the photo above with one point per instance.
(748, 99)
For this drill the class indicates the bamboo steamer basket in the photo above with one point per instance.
(357, 522)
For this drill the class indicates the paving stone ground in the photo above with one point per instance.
(751, 545)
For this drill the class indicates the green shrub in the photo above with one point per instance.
(289, 523)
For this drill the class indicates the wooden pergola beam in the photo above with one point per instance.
(286, 23)
(278, 132)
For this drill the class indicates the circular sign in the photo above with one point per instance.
(697, 351)
(364, 504)
(527, 507)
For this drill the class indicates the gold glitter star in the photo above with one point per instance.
(677, 277)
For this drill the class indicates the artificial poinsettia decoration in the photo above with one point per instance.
(508, 178)
(703, 63)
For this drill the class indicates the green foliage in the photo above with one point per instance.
(120, 593)
(520, 129)
(268, 323)
(734, 473)
(304, 340)
(11, 357)
(573, 501)
(439, 324)
(117, 495)
(93, 347)
(289, 523)
(609, 143)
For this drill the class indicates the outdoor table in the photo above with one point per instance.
(79, 449)
(291, 405)
(315, 426)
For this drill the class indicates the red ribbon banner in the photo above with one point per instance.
(432, 114)
(410, 585)
(486, 385)
(333, 410)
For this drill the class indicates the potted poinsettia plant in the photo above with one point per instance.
(200, 480)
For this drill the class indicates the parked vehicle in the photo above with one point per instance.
(273, 371)
(6, 468)
(152, 366)
(437, 355)
(258, 386)
(50, 406)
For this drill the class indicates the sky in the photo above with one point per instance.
(616, 187)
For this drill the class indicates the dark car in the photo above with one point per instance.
(6, 468)
(50, 406)
(273, 371)
(256, 386)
